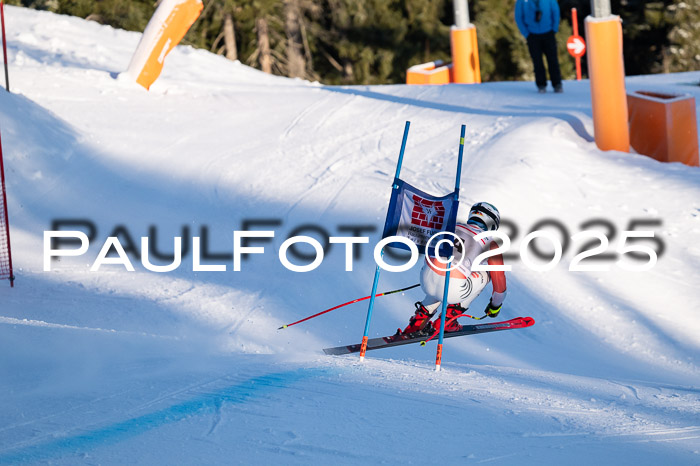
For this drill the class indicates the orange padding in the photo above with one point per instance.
(664, 126)
(171, 33)
(429, 73)
(607, 76)
(465, 55)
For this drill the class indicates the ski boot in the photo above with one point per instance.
(451, 324)
(420, 321)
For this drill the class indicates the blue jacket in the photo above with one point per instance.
(525, 16)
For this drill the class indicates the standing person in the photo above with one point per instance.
(465, 284)
(538, 21)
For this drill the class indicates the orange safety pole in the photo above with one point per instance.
(606, 71)
(166, 28)
(574, 24)
(465, 55)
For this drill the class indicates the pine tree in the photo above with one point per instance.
(645, 34)
(211, 30)
(359, 39)
(503, 51)
(428, 32)
(567, 64)
(296, 59)
(266, 38)
(375, 41)
(132, 15)
(684, 37)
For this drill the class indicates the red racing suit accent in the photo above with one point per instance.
(471, 250)
(464, 256)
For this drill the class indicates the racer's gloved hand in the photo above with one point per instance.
(491, 310)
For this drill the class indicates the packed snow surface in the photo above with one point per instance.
(188, 367)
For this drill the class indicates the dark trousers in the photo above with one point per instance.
(546, 44)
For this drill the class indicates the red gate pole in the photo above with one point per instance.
(7, 222)
(4, 43)
(574, 23)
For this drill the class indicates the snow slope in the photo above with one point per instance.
(188, 367)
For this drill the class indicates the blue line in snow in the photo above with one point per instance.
(202, 404)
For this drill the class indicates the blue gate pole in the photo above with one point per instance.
(365, 337)
(438, 357)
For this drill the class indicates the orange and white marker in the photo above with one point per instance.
(164, 31)
(575, 44)
(363, 348)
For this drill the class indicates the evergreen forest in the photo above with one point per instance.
(375, 41)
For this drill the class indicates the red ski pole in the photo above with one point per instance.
(4, 43)
(345, 304)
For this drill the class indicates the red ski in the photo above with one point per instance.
(396, 340)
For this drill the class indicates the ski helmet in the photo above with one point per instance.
(485, 216)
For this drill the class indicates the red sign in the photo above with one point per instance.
(576, 46)
(427, 213)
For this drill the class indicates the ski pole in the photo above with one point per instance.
(349, 302)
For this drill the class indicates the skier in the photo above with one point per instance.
(538, 22)
(465, 284)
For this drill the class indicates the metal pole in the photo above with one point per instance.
(403, 149)
(438, 357)
(458, 179)
(600, 8)
(574, 24)
(365, 337)
(4, 43)
(461, 9)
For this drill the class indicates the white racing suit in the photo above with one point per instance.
(465, 284)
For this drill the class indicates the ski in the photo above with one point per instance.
(396, 340)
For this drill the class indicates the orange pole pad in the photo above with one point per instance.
(607, 76)
(171, 33)
(465, 56)
(428, 73)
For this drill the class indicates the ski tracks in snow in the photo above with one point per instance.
(580, 406)
(310, 110)
(41, 323)
(104, 422)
